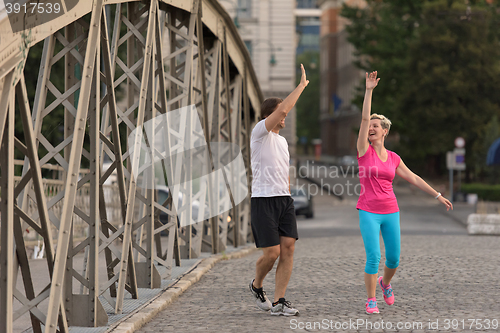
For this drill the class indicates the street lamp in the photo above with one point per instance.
(272, 59)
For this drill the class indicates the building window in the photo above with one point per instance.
(307, 4)
(245, 8)
(248, 44)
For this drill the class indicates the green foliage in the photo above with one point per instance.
(485, 192)
(450, 90)
(380, 34)
(439, 64)
(307, 105)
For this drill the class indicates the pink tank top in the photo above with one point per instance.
(375, 177)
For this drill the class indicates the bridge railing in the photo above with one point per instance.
(107, 70)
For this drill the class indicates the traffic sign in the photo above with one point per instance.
(455, 160)
(459, 142)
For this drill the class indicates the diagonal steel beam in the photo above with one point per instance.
(36, 170)
(7, 218)
(126, 247)
(109, 70)
(4, 101)
(72, 178)
(173, 249)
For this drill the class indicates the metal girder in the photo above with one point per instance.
(7, 213)
(209, 242)
(64, 238)
(181, 28)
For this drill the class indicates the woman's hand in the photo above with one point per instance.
(445, 202)
(371, 80)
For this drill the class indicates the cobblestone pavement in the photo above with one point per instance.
(447, 281)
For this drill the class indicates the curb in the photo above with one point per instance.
(143, 315)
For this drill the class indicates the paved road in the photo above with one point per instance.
(446, 280)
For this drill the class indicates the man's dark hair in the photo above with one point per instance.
(268, 106)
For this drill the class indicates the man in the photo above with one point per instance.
(273, 215)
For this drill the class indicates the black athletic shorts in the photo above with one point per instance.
(273, 217)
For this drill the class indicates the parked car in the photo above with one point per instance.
(163, 193)
(302, 202)
(347, 163)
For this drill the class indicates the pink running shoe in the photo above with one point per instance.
(371, 306)
(387, 290)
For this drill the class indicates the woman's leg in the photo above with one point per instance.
(391, 233)
(388, 275)
(370, 285)
(369, 225)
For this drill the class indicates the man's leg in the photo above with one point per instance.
(285, 265)
(265, 263)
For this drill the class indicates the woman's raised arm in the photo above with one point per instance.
(371, 83)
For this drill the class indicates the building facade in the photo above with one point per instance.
(268, 29)
(339, 118)
(307, 16)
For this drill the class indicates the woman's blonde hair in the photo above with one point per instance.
(384, 121)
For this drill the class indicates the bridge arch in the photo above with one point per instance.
(123, 63)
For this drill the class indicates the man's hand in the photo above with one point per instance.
(371, 80)
(303, 81)
(284, 107)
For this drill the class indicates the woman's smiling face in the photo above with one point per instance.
(376, 132)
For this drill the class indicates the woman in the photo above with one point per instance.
(377, 204)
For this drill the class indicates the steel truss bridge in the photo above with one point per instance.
(107, 67)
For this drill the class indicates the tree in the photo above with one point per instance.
(440, 67)
(452, 78)
(381, 33)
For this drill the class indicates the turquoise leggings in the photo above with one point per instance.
(371, 225)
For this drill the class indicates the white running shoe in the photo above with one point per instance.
(261, 300)
(284, 308)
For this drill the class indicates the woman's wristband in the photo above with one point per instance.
(437, 196)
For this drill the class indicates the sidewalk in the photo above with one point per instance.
(460, 212)
(137, 312)
(445, 278)
(440, 278)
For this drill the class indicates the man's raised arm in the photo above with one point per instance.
(282, 111)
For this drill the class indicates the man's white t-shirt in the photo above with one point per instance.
(270, 163)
